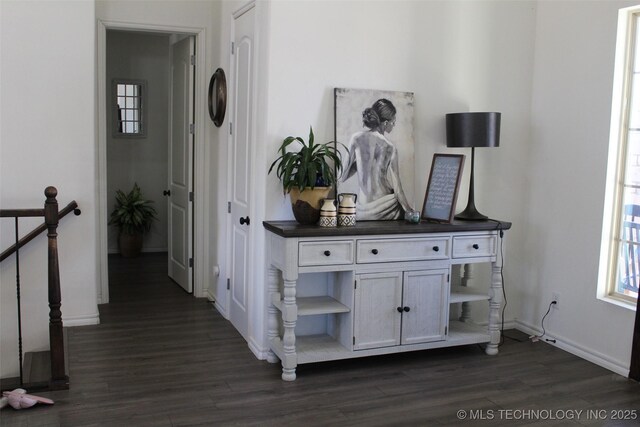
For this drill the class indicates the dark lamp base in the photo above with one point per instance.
(471, 214)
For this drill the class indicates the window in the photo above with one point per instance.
(129, 98)
(620, 254)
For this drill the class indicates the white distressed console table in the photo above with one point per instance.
(378, 287)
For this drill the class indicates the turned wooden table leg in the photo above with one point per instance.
(289, 319)
(272, 311)
(495, 303)
(465, 307)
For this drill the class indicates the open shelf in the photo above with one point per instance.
(464, 294)
(309, 306)
(467, 333)
(314, 348)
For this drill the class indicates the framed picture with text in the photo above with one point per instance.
(442, 188)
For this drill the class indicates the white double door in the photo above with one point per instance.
(399, 308)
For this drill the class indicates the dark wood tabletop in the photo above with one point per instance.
(293, 229)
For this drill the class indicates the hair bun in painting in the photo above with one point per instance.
(370, 118)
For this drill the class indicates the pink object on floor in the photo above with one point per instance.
(18, 399)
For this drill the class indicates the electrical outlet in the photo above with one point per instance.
(556, 297)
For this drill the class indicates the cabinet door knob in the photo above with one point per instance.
(246, 220)
(436, 248)
(374, 251)
(166, 193)
(475, 246)
(327, 253)
(406, 309)
(399, 309)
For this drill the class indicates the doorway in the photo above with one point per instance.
(159, 159)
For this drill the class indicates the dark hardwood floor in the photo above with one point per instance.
(163, 358)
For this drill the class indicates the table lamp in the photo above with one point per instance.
(472, 130)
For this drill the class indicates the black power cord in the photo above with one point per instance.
(544, 332)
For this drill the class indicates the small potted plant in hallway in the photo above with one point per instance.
(307, 174)
(133, 215)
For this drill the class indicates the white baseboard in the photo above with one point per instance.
(577, 349)
(90, 319)
(211, 297)
(256, 349)
(221, 310)
(115, 251)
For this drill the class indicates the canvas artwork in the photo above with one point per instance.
(377, 129)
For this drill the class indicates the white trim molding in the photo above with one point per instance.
(85, 320)
(201, 147)
(577, 350)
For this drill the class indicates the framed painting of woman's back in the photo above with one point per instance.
(376, 128)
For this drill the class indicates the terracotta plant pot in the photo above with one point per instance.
(130, 245)
(306, 204)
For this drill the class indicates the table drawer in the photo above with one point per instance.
(391, 250)
(474, 246)
(325, 253)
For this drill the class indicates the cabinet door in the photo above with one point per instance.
(376, 317)
(425, 296)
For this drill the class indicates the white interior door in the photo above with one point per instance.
(242, 134)
(180, 161)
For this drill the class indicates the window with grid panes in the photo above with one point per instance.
(129, 102)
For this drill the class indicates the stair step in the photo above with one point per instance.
(37, 367)
(36, 372)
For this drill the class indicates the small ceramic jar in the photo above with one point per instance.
(328, 214)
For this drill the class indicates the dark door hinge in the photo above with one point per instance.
(228, 207)
(233, 48)
(230, 128)
(228, 284)
(190, 262)
(192, 128)
(355, 284)
(354, 340)
(446, 330)
(193, 60)
(191, 196)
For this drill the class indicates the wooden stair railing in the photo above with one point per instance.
(71, 207)
(59, 380)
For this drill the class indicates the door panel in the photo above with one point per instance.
(180, 161)
(377, 321)
(242, 136)
(425, 295)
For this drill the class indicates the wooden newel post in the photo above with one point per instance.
(59, 380)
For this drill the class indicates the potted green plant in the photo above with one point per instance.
(133, 215)
(307, 174)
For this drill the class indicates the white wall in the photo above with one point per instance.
(574, 60)
(47, 112)
(143, 160)
(454, 56)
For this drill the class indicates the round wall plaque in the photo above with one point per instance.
(218, 97)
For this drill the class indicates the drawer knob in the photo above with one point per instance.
(327, 253)
(476, 246)
(374, 251)
(406, 309)
(436, 248)
(399, 309)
